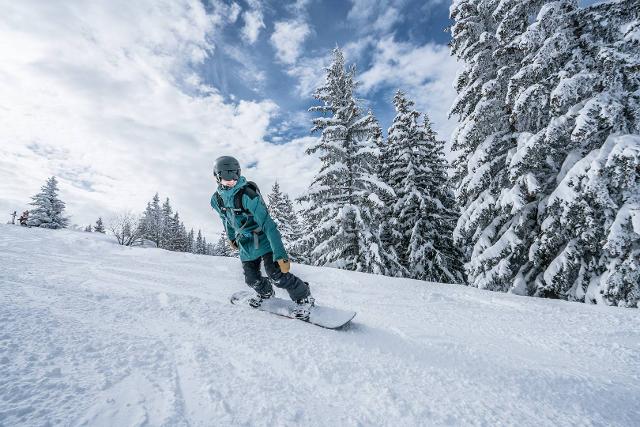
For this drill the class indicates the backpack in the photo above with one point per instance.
(251, 190)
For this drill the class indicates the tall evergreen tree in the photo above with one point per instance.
(489, 236)
(152, 221)
(199, 244)
(587, 188)
(340, 219)
(567, 82)
(222, 246)
(423, 215)
(168, 228)
(182, 242)
(48, 211)
(191, 242)
(284, 215)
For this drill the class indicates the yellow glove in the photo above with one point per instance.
(233, 244)
(284, 265)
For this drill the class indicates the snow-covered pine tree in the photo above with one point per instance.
(571, 76)
(191, 242)
(222, 246)
(88, 229)
(482, 140)
(183, 239)
(152, 221)
(210, 249)
(177, 237)
(200, 244)
(205, 246)
(284, 215)
(48, 211)
(340, 218)
(423, 215)
(99, 227)
(168, 228)
(391, 260)
(588, 246)
(432, 252)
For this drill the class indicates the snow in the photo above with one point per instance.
(92, 333)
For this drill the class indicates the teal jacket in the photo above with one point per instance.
(241, 227)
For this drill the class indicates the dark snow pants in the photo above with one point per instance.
(294, 285)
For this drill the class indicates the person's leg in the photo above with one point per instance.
(253, 277)
(296, 288)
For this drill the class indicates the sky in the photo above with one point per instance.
(120, 100)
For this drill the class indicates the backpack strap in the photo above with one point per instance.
(251, 190)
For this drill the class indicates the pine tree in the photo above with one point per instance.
(392, 266)
(99, 227)
(587, 244)
(339, 219)
(152, 221)
(423, 215)
(88, 229)
(191, 243)
(48, 211)
(182, 243)
(200, 244)
(482, 140)
(545, 220)
(176, 240)
(222, 247)
(168, 227)
(284, 215)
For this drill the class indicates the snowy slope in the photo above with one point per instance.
(92, 333)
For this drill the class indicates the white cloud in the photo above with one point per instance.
(100, 94)
(234, 12)
(288, 38)
(253, 23)
(310, 73)
(425, 73)
(375, 15)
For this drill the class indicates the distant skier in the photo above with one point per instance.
(251, 230)
(24, 218)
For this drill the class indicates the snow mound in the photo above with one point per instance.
(92, 333)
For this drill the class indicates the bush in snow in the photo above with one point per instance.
(99, 227)
(126, 229)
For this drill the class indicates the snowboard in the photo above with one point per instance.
(326, 317)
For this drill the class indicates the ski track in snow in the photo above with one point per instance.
(92, 333)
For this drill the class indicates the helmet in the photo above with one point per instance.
(227, 168)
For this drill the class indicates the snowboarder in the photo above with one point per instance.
(251, 230)
(24, 218)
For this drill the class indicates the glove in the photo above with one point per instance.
(233, 244)
(284, 265)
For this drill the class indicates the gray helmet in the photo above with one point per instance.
(227, 168)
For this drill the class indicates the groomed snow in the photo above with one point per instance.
(92, 333)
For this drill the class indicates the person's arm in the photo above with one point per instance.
(258, 209)
(231, 233)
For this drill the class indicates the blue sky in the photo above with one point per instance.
(252, 69)
(122, 99)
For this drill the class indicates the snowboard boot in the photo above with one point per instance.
(303, 308)
(256, 301)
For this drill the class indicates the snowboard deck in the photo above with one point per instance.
(326, 317)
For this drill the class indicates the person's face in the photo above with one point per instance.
(228, 184)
